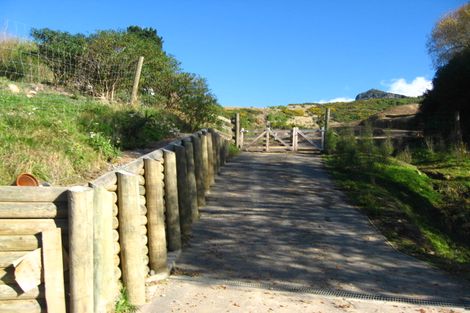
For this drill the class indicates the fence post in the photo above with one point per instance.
(183, 197)
(173, 235)
(237, 130)
(267, 140)
(80, 216)
(295, 139)
(192, 188)
(327, 122)
(133, 267)
(155, 215)
(103, 251)
(198, 169)
(135, 87)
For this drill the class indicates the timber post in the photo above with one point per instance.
(105, 288)
(325, 132)
(205, 161)
(183, 194)
(191, 179)
(155, 215)
(198, 169)
(237, 130)
(80, 217)
(266, 144)
(133, 266)
(210, 158)
(135, 87)
(295, 138)
(173, 235)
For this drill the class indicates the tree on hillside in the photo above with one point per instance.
(60, 51)
(446, 108)
(450, 35)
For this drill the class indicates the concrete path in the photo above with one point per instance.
(275, 223)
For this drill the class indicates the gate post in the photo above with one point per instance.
(267, 139)
(236, 129)
(327, 121)
(295, 139)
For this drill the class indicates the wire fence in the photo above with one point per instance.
(27, 64)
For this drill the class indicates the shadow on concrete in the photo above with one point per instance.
(278, 219)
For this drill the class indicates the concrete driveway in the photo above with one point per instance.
(275, 228)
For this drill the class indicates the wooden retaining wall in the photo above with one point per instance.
(33, 222)
(115, 232)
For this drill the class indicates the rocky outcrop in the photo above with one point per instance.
(378, 94)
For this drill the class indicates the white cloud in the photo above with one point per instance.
(413, 89)
(340, 99)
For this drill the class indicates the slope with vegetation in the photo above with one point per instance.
(418, 193)
(311, 115)
(65, 139)
(65, 108)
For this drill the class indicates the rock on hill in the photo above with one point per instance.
(378, 94)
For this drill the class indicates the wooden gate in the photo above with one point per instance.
(280, 140)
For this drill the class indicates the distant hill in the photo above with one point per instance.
(378, 94)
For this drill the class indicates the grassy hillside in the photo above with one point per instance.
(65, 139)
(417, 196)
(312, 114)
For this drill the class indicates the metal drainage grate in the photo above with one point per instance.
(456, 303)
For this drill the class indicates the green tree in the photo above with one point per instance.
(446, 108)
(60, 51)
(450, 35)
(193, 102)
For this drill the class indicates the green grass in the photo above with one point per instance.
(122, 303)
(405, 205)
(64, 139)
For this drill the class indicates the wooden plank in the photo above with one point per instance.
(53, 271)
(30, 306)
(276, 137)
(32, 194)
(134, 167)
(106, 180)
(255, 140)
(224, 119)
(33, 209)
(8, 257)
(19, 242)
(305, 137)
(30, 226)
(14, 292)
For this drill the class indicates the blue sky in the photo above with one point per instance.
(264, 53)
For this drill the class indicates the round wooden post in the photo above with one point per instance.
(132, 258)
(183, 193)
(81, 249)
(210, 158)
(205, 161)
(173, 234)
(191, 179)
(155, 215)
(198, 169)
(215, 151)
(105, 287)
